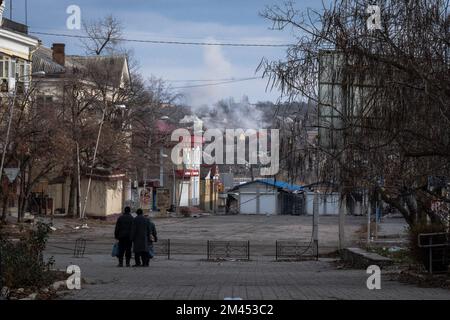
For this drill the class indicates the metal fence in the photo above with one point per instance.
(295, 250)
(213, 249)
(80, 247)
(162, 248)
(228, 250)
(438, 250)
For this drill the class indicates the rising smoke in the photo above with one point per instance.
(226, 113)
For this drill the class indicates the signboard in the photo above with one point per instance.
(146, 199)
(162, 199)
(11, 173)
(188, 173)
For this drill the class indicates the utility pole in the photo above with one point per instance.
(161, 167)
(342, 201)
(367, 210)
(174, 187)
(26, 12)
(342, 214)
(83, 213)
(316, 206)
(316, 223)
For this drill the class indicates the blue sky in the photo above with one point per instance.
(184, 20)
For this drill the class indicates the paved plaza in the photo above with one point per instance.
(189, 235)
(188, 278)
(187, 275)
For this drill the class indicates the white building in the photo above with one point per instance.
(16, 51)
(264, 196)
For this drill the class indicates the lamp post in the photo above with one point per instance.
(11, 113)
(94, 158)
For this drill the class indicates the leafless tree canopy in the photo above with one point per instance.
(102, 35)
(392, 125)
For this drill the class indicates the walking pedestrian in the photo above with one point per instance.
(141, 234)
(153, 238)
(122, 233)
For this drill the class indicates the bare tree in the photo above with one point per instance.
(389, 120)
(30, 148)
(103, 35)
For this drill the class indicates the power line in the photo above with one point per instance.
(223, 44)
(215, 84)
(207, 80)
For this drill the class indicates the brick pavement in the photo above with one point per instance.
(193, 278)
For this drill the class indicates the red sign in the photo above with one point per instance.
(188, 173)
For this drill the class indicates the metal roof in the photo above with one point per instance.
(273, 183)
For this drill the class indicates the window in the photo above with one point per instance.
(11, 68)
(4, 73)
(4, 67)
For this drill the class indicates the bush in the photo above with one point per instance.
(22, 262)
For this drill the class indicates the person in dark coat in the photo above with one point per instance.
(143, 234)
(122, 233)
(153, 237)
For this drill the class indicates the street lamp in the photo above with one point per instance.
(120, 106)
(11, 112)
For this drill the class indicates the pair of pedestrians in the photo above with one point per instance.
(138, 234)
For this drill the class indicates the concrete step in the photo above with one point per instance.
(361, 258)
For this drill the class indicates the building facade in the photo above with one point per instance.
(16, 53)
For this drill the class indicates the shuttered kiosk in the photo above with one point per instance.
(264, 196)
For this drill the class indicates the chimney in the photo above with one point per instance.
(59, 55)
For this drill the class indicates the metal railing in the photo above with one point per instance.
(228, 250)
(288, 250)
(162, 247)
(214, 249)
(80, 247)
(438, 245)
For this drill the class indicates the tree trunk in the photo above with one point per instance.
(78, 178)
(72, 195)
(19, 208)
(5, 199)
(396, 203)
(22, 206)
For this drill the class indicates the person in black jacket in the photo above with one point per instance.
(143, 234)
(123, 234)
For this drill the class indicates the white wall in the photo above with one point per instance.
(258, 198)
(328, 203)
(105, 197)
